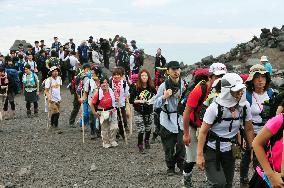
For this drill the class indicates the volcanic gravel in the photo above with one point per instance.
(33, 156)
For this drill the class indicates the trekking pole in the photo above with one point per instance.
(83, 123)
(124, 132)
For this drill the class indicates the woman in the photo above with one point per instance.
(103, 107)
(31, 90)
(143, 110)
(258, 92)
(220, 128)
(272, 132)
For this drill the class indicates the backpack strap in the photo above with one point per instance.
(249, 97)
(270, 92)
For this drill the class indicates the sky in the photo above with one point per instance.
(185, 30)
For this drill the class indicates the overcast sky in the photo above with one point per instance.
(186, 30)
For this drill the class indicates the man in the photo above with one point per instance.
(105, 48)
(72, 45)
(41, 62)
(83, 52)
(265, 62)
(171, 130)
(160, 61)
(53, 60)
(52, 91)
(32, 63)
(84, 76)
(204, 78)
(29, 50)
(36, 48)
(56, 45)
(74, 64)
(42, 45)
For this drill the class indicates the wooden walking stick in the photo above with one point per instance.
(121, 118)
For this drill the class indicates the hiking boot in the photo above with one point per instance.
(106, 145)
(171, 171)
(29, 113)
(187, 181)
(244, 180)
(36, 112)
(141, 149)
(147, 144)
(114, 144)
(93, 135)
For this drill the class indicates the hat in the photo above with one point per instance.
(217, 69)
(173, 65)
(36, 42)
(230, 82)
(133, 42)
(41, 40)
(264, 59)
(258, 68)
(53, 68)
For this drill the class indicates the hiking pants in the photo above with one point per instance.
(28, 106)
(122, 111)
(157, 122)
(75, 111)
(191, 152)
(109, 128)
(9, 99)
(174, 149)
(224, 177)
(245, 161)
(89, 118)
(143, 122)
(54, 112)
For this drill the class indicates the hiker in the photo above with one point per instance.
(220, 127)
(56, 44)
(41, 63)
(121, 93)
(203, 80)
(270, 136)
(105, 48)
(7, 87)
(32, 63)
(31, 90)
(53, 60)
(160, 61)
(90, 87)
(96, 56)
(258, 91)
(36, 48)
(62, 54)
(103, 107)
(72, 45)
(123, 58)
(2, 62)
(52, 91)
(171, 129)
(77, 87)
(74, 64)
(20, 66)
(42, 45)
(143, 110)
(265, 62)
(83, 52)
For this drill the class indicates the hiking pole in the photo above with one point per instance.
(124, 132)
(83, 123)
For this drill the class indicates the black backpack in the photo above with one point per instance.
(54, 61)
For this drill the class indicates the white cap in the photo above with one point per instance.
(231, 82)
(217, 69)
(264, 59)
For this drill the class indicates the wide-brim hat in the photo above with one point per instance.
(258, 68)
(264, 59)
(53, 68)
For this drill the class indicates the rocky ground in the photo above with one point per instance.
(31, 156)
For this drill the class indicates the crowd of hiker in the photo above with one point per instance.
(210, 121)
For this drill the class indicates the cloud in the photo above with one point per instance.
(163, 34)
(150, 3)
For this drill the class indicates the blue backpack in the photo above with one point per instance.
(13, 73)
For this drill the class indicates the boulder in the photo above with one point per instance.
(281, 46)
(272, 43)
(208, 60)
(275, 31)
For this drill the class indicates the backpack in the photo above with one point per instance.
(138, 58)
(13, 73)
(183, 100)
(77, 84)
(269, 106)
(211, 136)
